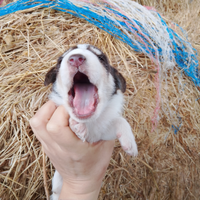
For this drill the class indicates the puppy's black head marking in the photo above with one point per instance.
(120, 82)
(102, 58)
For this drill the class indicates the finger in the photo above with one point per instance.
(40, 119)
(60, 118)
(58, 126)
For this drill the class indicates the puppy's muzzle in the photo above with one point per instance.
(76, 60)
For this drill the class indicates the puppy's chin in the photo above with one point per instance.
(84, 116)
(81, 119)
(91, 116)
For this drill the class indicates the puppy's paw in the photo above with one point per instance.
(78, 128)
(128, 144)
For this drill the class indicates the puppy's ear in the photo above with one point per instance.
(52, 73)
(50, 76)
(120, 82)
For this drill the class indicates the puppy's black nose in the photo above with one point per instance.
(76, 60)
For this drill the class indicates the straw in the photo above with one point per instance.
(168, 164)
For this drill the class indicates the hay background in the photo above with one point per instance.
(168, 165)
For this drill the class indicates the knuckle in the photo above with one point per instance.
(52, 128)
(35, 122)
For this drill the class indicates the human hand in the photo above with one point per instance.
(82, 165)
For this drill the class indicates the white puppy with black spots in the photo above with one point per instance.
(92, 92)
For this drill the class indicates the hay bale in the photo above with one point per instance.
(168, 164)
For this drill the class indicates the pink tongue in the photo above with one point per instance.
(84, 98)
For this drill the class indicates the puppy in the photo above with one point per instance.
(92, 92)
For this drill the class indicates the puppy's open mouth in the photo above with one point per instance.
(83, 96)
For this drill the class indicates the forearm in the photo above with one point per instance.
(81, 192)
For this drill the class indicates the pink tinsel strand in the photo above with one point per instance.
(157, 81)
(1, 1)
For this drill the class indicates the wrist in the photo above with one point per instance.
(80, 191)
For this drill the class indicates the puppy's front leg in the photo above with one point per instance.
(125, 136)
(78, 128)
